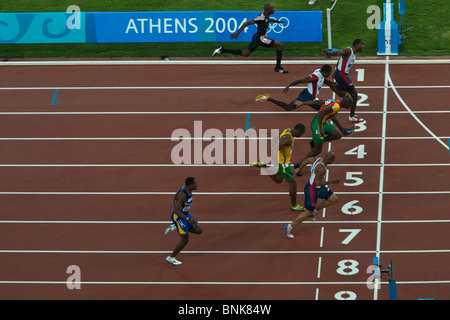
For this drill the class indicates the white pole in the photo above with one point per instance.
(329, 28)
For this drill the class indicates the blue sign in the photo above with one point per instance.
(55, 27)
(401, 7)
(172, 26)
(200, 26)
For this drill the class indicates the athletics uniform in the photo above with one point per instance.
(181, 224)
(312, 89)
(260, 37)
(312, 192)
(327, 127)
(284, 157)
(341, 73)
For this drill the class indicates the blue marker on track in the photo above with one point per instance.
(248, 122)
(54, 98)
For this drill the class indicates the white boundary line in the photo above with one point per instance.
(195, 138)
(243, 193)
(412, 113)
(144, 165)
(195, 88)
(212, 222)
(202, 88)
(219, 252)
(192, 112)
(316, 283)
(382, 160)
(208, 62)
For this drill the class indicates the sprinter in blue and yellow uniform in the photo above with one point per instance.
(285, 171)
(182, 221)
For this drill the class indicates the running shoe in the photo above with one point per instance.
(217, 51)
(262, 97)
(173, 261)
(297, 208)
(355, 119)
(281, 70)
(170, 228)
(313, 217)
(348, 131)
(288, 229)
(258, 165)
(311, 2)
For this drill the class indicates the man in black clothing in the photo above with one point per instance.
(259, 38)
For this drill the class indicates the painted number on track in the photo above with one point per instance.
(358, 151)
(352, 176)
(348, 267)
(353, 233)
(350, 208)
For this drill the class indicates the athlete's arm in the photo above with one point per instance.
(247, 23)
(284, 141)
(320, 177)
(180, 198)
(293, 83)
(322, 114)
(277, 21)
(299, 103)
(344, 53)
(306, 161)
(338, 124)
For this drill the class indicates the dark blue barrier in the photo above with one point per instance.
(172, 26)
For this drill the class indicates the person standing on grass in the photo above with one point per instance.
(285, 172)
(315, 188)
(183, 222)
(259, 38)
(343, 84)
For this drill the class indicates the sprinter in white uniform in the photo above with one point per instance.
(342, 83)
(314, 189)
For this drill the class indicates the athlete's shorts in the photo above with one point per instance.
(313, 193)
(181, 224)
(306, 96)
(286, 171)
(258, 40)
(343, 81)
(328, 128)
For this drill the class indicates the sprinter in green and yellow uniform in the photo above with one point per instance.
(285, 171)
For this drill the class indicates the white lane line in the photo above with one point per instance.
(216, 282)
(201, 87)
(413, 115)
(210, 62)
(221, 252)
(214, 222)
(17, 113)
(382, 160)
(243, 193)
(319, 267)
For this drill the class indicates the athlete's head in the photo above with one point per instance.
(326, 70)
(269, 8)
(358, 45)
(190, 183)
(329, 158)
(299, 130)
(347, 102)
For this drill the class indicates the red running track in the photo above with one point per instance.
(90, 181)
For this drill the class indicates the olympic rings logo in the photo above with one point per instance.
(278, 27)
